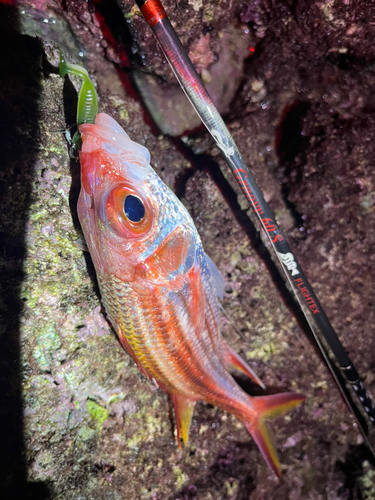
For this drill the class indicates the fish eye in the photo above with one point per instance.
(134, 208)
(128, 213)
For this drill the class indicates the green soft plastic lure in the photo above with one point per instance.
(87, 108)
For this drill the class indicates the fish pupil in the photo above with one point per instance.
(134, 209)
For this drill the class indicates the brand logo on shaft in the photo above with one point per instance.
(288, 260)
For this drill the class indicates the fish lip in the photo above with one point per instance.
(109, 153)
(108, 140)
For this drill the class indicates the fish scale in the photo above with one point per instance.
(182, 354)
(124, 310)
(142, 334)
(191, 362)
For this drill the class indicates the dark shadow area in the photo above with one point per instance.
(352, 468)
(231, 462)
(70, 99)
(20, 80)
(291, 146)
(346, 61)
(252, 388)
(290, 143)
(116, 31)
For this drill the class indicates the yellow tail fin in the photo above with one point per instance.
(268, 408)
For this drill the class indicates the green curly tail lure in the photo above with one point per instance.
(87, 99)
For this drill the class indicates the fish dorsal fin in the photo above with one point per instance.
(216, 277)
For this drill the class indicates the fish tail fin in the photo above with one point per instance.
(268, 408)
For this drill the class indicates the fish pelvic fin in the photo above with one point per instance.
(183, 408)
(268, 408)
(235, 362)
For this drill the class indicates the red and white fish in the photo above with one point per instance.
(158, 286)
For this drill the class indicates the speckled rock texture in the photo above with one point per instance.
(295, 81)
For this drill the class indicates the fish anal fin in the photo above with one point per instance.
(234, 361)
(268, 408)
(184, 408)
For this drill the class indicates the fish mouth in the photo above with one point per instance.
(107, 134)
(109, 153)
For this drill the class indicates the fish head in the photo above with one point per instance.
(134, 226)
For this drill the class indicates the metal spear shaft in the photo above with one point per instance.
(194, 89)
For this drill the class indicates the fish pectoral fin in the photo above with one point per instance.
(216, 277)
(235, 362)
(268, 408)
(235, 328)
(183, 407)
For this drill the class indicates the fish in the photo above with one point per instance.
(159, 288)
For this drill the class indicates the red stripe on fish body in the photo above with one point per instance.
(157, 284)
